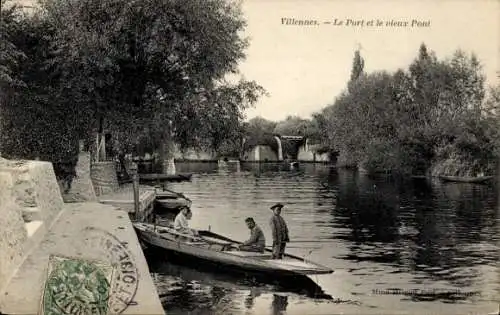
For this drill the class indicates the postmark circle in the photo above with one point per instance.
(126, 277)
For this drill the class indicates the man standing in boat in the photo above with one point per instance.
(279, 230)
(257, 241)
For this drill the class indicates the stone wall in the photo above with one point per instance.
(309, 156)
(260, 153)
(304, 155)
(194, 155)
(35, 188)
(82, 188)
(307, 153)
(30, 201)
(104, 178)
(322, 157)
(13, 233)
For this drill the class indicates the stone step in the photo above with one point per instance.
(32, 227)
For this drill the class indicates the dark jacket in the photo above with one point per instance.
(279, 230)
(256, 238)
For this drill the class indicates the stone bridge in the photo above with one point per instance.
(298, 148)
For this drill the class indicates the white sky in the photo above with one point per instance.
(305, 67)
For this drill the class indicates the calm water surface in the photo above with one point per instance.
(378, 236)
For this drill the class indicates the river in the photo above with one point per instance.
(432, 246)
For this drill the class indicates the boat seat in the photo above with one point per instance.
(196, 243)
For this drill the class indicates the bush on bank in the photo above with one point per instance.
(428, 119)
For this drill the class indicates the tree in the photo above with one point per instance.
(358, 117)
(147, 59)
(259, 131)
(293, 126)
(358, 66)
(428, 117)
(219, 124)
(491, 106)
(258, 127)
(10, 58)
(10, 55)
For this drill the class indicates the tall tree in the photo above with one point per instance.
(357, 70)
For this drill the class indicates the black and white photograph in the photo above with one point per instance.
(248, 157)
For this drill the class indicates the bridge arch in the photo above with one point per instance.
(283, 146)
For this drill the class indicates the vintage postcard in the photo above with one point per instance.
(316, 156)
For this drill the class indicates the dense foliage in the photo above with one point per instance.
(141, 70)
(426, 119)
(35, 121)
(259, 131)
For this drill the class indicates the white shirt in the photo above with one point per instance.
(181, 224)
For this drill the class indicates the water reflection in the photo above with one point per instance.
(433, 230)
(250, 299)
(199, 289)
(375, 233)
(279, 304)
(368, 210)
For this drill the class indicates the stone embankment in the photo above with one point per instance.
(36, 223)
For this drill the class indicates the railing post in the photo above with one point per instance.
(135, 185)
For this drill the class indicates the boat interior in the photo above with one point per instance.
(213, 241)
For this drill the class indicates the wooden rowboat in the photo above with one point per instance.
(172, 203)
(218, 249)
(168, 200)
(166, 177)
(466, 179)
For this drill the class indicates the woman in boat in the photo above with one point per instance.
(280, 232)
(257, 241)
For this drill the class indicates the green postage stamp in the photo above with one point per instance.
(76, 286)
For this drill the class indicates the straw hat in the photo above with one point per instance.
(277, 206)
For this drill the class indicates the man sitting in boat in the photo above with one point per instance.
(181, 221)
(257, 241)
(280, 232)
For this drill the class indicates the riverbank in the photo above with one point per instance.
(37, 224)
(453, 169)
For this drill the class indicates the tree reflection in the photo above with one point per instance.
(279, 304)
(369, 209)
(250, 299)
(435, 229)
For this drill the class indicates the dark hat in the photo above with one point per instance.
(278, 205)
